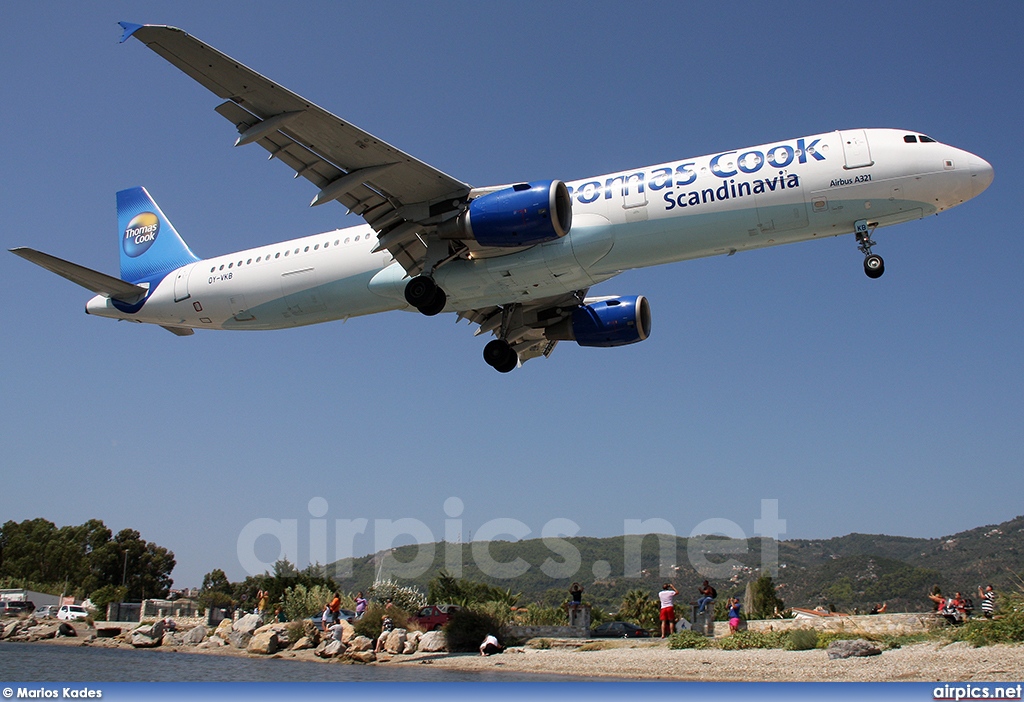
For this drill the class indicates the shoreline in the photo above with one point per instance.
(653, 660)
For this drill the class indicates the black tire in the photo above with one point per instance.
(420, 291)
(437, 303)
(509, 365)
(497, 353)
(874, 266)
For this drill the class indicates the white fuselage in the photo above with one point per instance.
(778, 193)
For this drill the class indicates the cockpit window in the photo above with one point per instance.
(910, 139)
(926, 140)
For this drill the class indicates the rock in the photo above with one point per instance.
(215, 642)
(43, 631)
(65, 629)
(223, 629)
(360, 643)
(9, 630)
(329, 649)
(196, 635)
(140, 640)
(412, 641)
(170, 639)
(310, 631)
(280, 629)
(362, 656)
(852, 648)
(265, 643)
(239, 639)
(432, 642)
(248, 624)
(348, 632)
(396, 641)
(302, 644)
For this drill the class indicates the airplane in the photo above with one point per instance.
(517, 260)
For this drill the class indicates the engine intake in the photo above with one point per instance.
(613, 322)
(522, 215)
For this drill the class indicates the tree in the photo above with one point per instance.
(765, 601)
(638, 606)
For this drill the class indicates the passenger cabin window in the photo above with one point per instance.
(926, 140)
(910, 139)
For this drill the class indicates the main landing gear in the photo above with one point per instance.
(500, 356)
(422, 293)
(874, 266)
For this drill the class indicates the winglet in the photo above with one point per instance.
(129, 29)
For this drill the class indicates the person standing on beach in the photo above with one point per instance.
(668, 612)
(335, 607)
(734, 615)
(988, 601)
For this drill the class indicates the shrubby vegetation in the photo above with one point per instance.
(689, 639)
(81, 560)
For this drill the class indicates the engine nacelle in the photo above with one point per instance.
(613, 322)
(523, 215)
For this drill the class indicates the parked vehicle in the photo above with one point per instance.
(433, 617)
(70, 613)
(347, 614)
(622, 630)
(46, 611)
(9, 608)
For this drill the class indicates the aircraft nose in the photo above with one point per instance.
(981, 174)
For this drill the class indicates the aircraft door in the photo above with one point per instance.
(856, 149)
(181, 282)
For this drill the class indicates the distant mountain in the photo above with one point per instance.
(847, 572)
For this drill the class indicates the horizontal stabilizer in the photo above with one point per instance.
(99, 283)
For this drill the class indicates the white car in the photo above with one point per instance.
(70, 613)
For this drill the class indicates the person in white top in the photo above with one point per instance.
(490, 645)
(668, 612)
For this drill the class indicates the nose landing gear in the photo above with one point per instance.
(874, 266)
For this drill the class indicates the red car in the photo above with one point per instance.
(433, 617)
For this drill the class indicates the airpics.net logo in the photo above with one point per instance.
(140, 234)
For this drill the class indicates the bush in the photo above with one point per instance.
(741, 640)
(801, 640)
(370, 623)
(408, 598)
(827, 637)
(985, 632)
(467, 629)
(300, 602)
(542, 644)
(688, 639)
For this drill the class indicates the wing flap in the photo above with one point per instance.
(99, 283)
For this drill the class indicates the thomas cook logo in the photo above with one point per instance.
(140, 234)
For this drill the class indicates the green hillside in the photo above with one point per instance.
(847, 572)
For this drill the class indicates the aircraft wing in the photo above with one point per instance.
(397, 194)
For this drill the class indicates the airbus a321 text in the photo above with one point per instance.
(516, 260)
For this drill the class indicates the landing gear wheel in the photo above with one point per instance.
(422, 293)
(874, 266)
(500, 356)
(436, 304)
(419, 292)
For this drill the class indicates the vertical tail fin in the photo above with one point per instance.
(149, 243)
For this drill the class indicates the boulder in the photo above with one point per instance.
(302, 644)
(310, 631)
(41, 632)
(362, 656)
(432, 642)
(348, 632)
(9, 629)
(396, 641)
(140, 640)
(239, 639)
(214, 642)
(196, 635)
(412, 640)
(265, 643)
(223, 629)
(330, 649)
(278, 628)
(170, 639)
(844, 648)
(248, 624)
(360, 643)
(65, 629)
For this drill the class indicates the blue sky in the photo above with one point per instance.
(890, 406)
